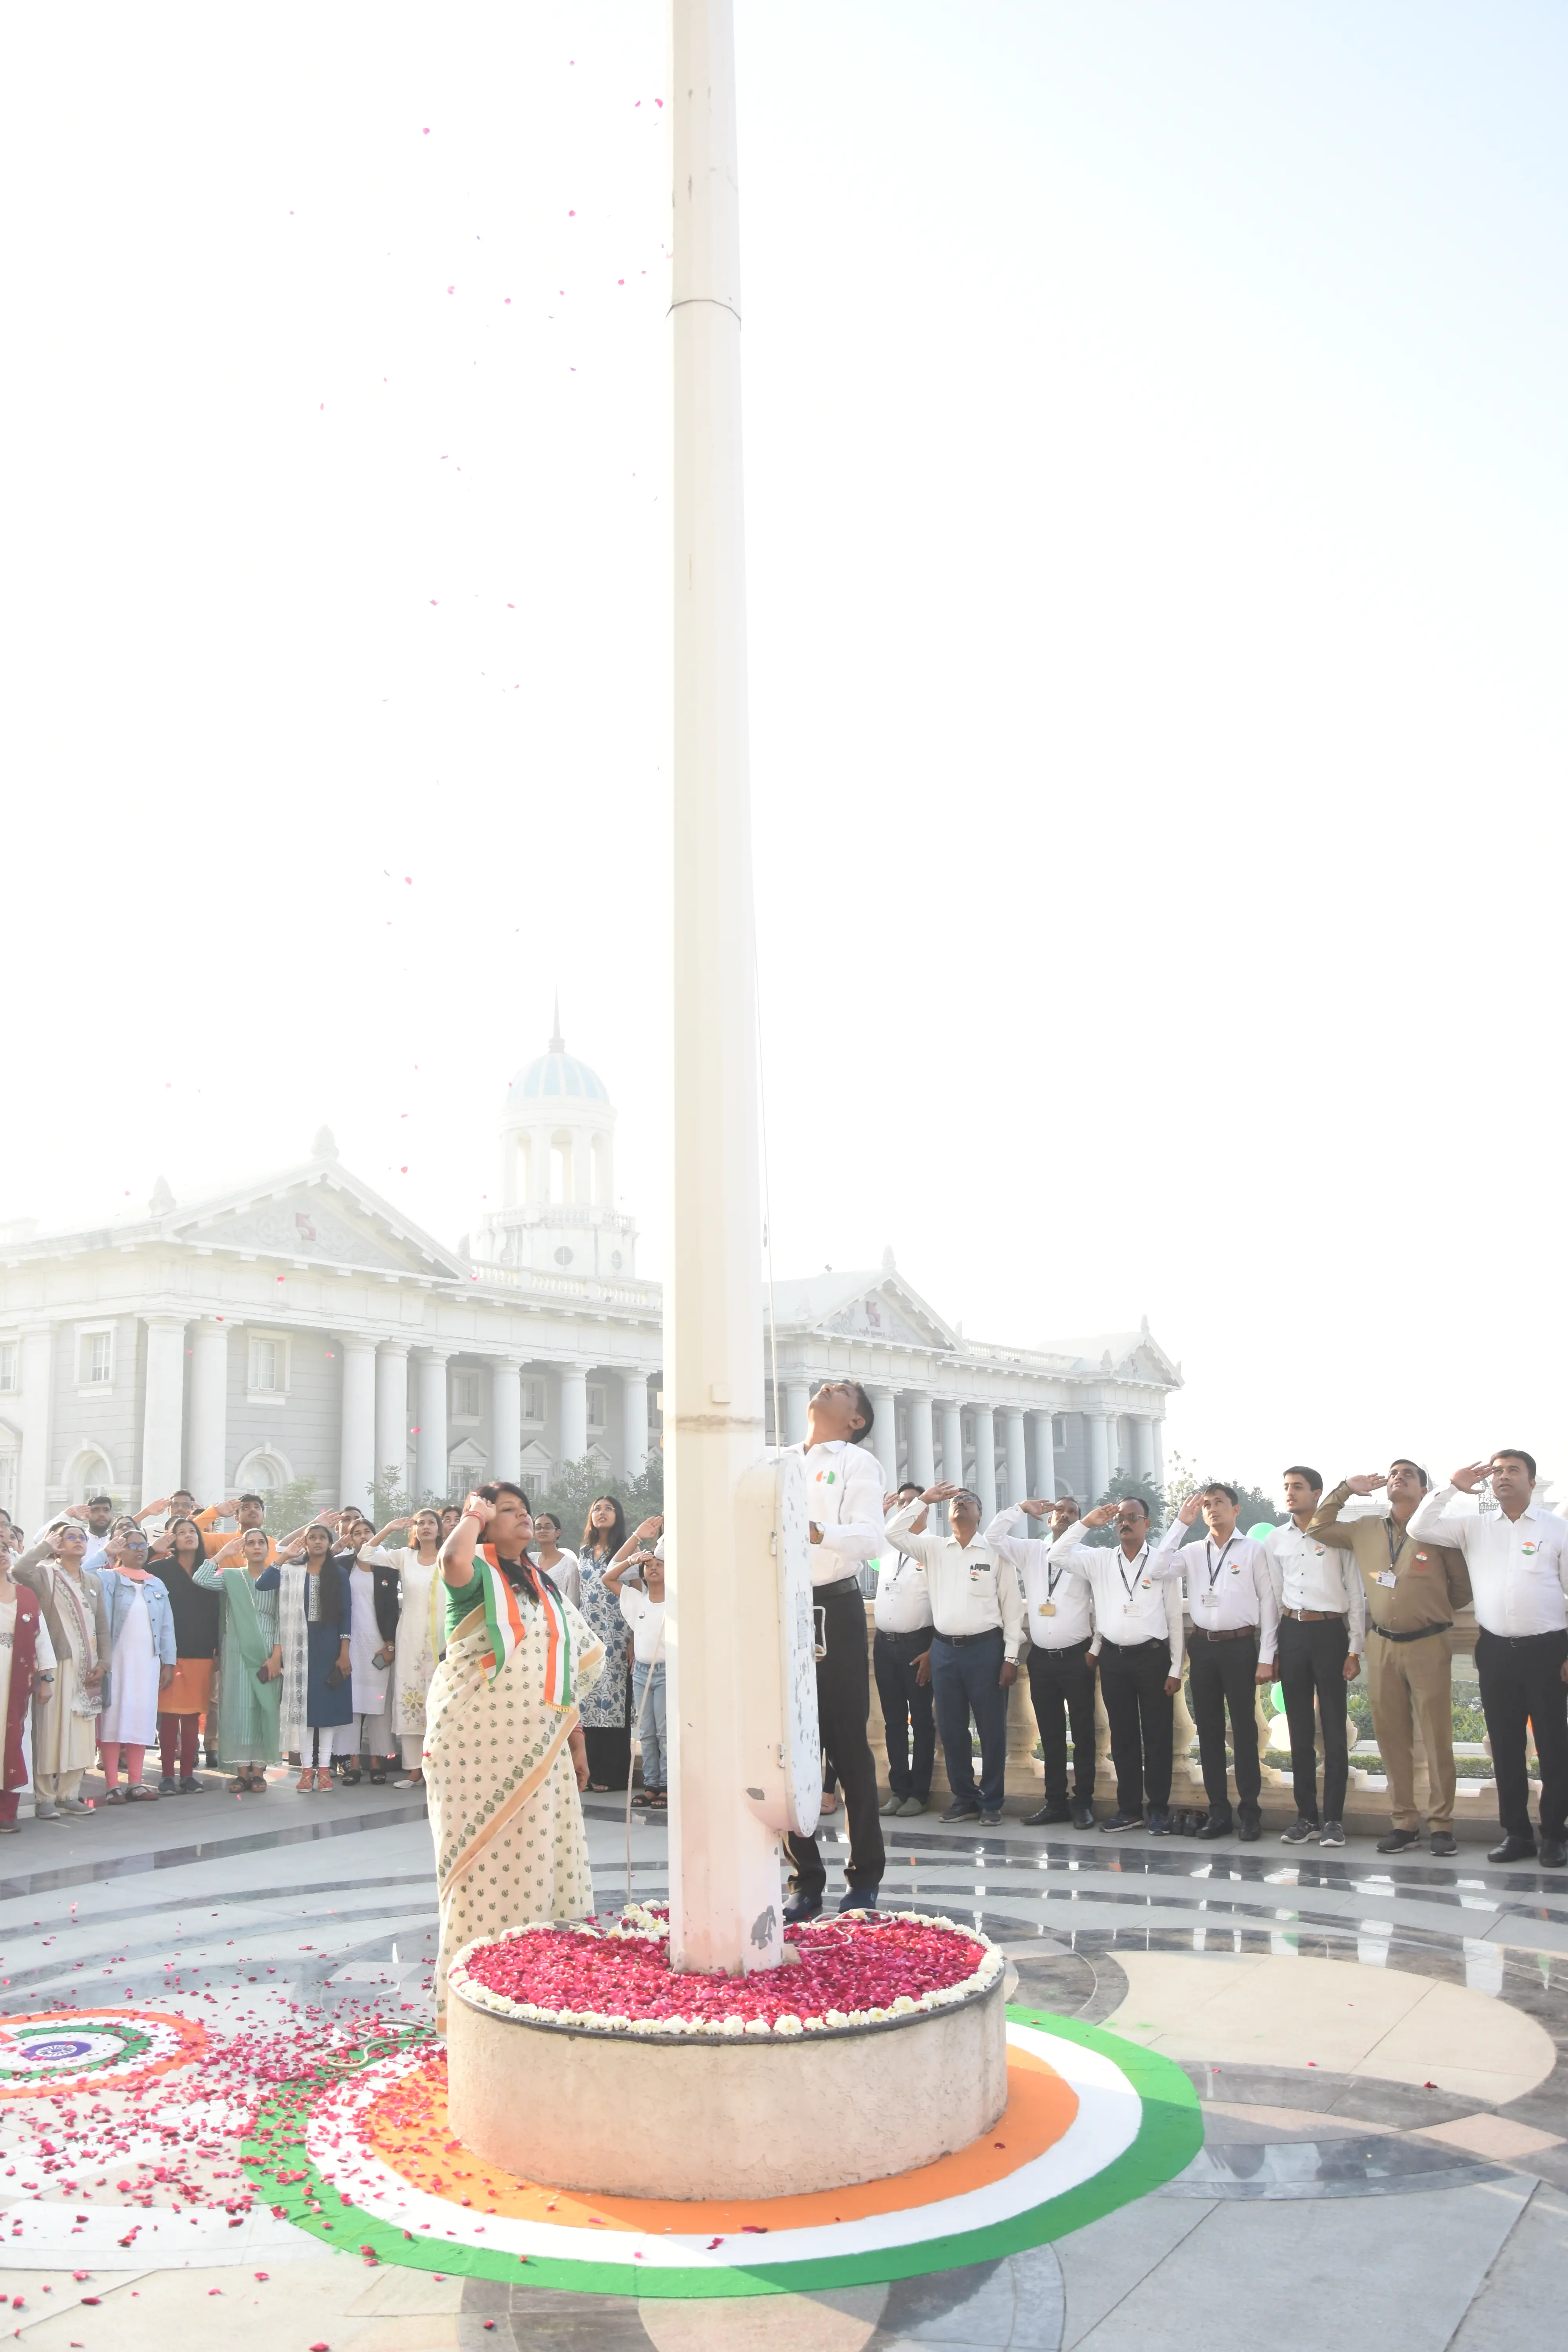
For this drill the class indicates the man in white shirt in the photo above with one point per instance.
(901, 1661)
(844, 1491)
(977, 1619)
(1518, 1563)
(1058, 1610)
(1138, 1626)
(1236, 1626)
(1322, 1634)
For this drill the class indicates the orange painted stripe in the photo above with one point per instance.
(406, 2128)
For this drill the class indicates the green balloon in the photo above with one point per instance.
(1264, 1528)
(1276, 1699)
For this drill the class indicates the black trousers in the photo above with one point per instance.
(1142, 1721)
(1225, 1673)
(1061, 1691)
(1313, 1669)
(609, 1746)
(1521, 1681)
(906, 1706)
(843, 1710)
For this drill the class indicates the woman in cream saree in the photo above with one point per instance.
(504, 1759)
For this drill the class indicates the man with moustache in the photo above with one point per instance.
(1058, 1610)
(1139, 1627)
(1235, 1624)
(1322, 1637)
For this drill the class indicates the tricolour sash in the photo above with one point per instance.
(504, 1624)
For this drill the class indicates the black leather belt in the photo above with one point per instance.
(820, 1593)
(963, 1641)
(1224, 1634)
(1420, 1635)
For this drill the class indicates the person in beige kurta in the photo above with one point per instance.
(65, 1716)
(504, 1758)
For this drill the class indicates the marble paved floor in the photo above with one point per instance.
(1377, 2045)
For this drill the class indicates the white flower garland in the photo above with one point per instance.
(639, 1924)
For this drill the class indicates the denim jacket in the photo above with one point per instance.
(118, 1600)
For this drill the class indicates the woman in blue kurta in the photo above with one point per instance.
(314, 1621)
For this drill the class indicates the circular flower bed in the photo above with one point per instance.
(871, 1969)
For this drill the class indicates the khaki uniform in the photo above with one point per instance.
(1410, 1683)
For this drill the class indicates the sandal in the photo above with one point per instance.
(139, 1794)
(114, 1796)
(324, 1780)
(239, 1785)
(351, 1779)
(658, 1802)
(256, 1784)
(306, 1781)
(378, 1779)
(643, 1797)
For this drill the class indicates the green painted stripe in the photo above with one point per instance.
(1169, 2134)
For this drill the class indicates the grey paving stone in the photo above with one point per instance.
(1520, 2301)
(1103, 2264)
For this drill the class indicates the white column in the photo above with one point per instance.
(922, 1455)
(633, 1423)
(356, 1420)
(884, 1442)
(1045, 1429)
(985, 1462)
(1017, 1454)
(430, 1474)
(506, 1418)
(952, 1445)
(1142, 1449)
(797, 1397)
(209, 1410)
(1098, 1474)
(1112, 1443)
(391, 1411)
(163, 1406)
(724, 1883)
(1157, 1454)
(572, 1419)
(37, 1374)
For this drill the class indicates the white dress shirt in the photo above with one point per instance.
(1229, 1585)
(844, 1492)
(972, 1591)
(903, 1596)
(645, 1618)
(1130, 1604)
(1518, 1568)
(1306, 1574)
(1058, 1608)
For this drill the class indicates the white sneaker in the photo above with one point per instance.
(410, 1783)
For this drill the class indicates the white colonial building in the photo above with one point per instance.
(300, 1328)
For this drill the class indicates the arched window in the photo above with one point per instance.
(89, 1474)
(263, 1471)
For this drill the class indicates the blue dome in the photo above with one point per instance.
(557, 1074)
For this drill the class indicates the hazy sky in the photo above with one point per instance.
(1156, 503)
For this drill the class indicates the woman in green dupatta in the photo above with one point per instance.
(250, 1684)
(504, 1758)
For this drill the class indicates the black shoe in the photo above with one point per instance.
(1217, 1825)
(801, 1908)
(1301, 1832)
(1083, 1815)
(1445, 1843)
(1554, 1854)
(989, 1821)
(1159, 1820)
(188, 1788)
(858, 1899)
(1055, 1810)
(1249, 1825)
(1120, 1820)
(1513, 1849)
(963, 1809)
(1333, 1833)
(167, 1787)
(1398, 1841)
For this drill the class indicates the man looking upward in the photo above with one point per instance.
(1059, 1610)
(1236, 1626)
(1518, 1560)
(844, 1497)
(901, 1661)
(1322, 1634)
(1140, 1631)
(977, 1615)
(1413, 1592)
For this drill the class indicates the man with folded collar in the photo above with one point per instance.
(1235, 1628)
(977, 1620)
(1323, 1639)
(1058, 1610)
(1139, 1626)
(1414, 1590)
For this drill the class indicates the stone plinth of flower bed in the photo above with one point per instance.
(576, 2056)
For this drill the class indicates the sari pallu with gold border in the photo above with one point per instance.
(505, 1816)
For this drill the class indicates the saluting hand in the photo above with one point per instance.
(1100, 1517)
(1037, 1510)
(1367, 1482)
(1468, 1479)
(1188, 1514)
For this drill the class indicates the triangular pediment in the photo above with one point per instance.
(320, 1219)
(861, 1306)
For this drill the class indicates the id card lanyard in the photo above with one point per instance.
(1214, 1566)
(1122, 1572)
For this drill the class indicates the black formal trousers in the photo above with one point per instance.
(1061, 1692)
(609, 1746)
(1142, 1721)
(907, 1705)
(1225, 1673)
(1523, 1681)
(843, 1710)
(1312, 1668)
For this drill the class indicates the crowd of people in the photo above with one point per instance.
(130, 1636)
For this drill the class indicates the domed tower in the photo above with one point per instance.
(558, 1175)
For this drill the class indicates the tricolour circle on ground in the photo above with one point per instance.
(1092, 2123)
(42, 2055)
